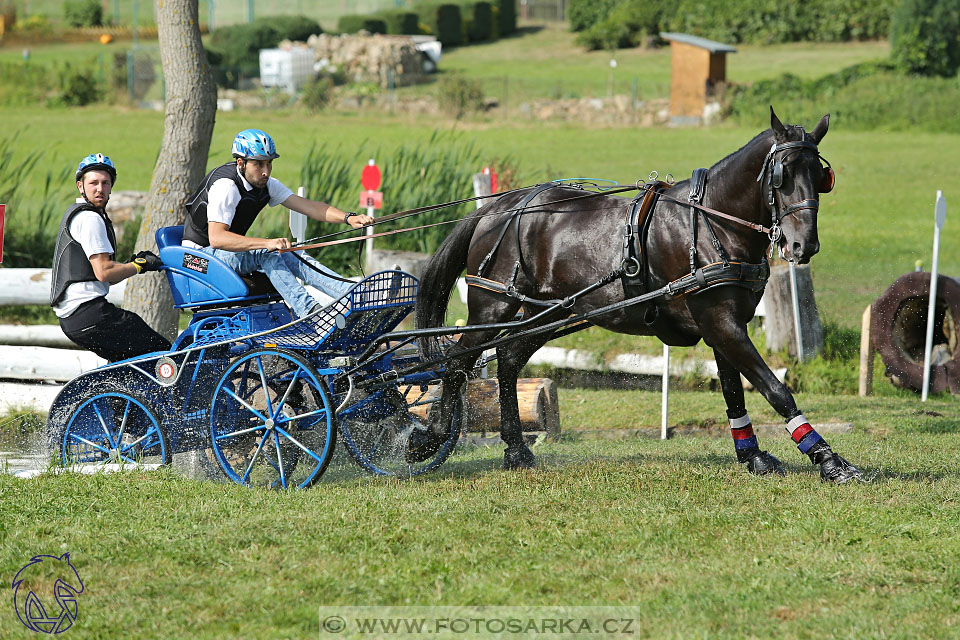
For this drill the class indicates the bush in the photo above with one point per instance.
(627, 25)
(458, 96)
(867, 96)
(444, 21)
(479, 21)
(77, 86)
(235, 50)
(83, 13)
(316, 95)
(733, 21)
(400, 22)
(506, 16)
(355, 23)
(583, 14)
(925, 37)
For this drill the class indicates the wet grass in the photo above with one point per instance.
(673, 527)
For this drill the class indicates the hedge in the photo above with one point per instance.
(354, 23)
(478, 21)
(445, 21)
(400, 22)
(506, 16)
(237, 47)
(925, 37)
(731, 21)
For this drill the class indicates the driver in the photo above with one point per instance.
(224, 206)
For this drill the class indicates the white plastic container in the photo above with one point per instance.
(287, 69)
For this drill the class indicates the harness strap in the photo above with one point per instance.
(698, 182)
(514, 215)
(510, 290)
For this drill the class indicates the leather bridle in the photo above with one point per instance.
(772, 170)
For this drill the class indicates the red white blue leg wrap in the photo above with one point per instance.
(802, 433)
(742, 431)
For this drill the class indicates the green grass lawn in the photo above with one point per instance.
(674, 528)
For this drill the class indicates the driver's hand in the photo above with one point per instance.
(275, 244)
(359, 220)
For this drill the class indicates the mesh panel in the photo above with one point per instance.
(374, 306)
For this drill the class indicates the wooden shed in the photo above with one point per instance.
(698, 69)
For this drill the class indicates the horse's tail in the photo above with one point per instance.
(438, 278)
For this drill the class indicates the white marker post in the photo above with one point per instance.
(298, 221)
(940, 217)
(665, 392)
(370, 198)
(795, 298)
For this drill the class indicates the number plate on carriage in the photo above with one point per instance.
(195, 263)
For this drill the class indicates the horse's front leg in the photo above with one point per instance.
(729, 338)
(741, 428)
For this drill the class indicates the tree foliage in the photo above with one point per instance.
(925, 37)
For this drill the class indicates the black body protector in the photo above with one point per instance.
(252, 202)
(70, 263)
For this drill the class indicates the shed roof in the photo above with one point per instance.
(710, 45)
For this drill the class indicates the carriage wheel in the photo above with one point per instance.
(271, 422)
(376, 427)
(114, 427)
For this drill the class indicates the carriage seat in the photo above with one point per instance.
(199, 279)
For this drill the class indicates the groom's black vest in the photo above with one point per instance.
(70, 263)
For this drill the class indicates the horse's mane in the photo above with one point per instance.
(762, 136)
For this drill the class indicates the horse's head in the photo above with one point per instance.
(792, 179)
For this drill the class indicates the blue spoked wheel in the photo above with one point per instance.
(376, 427)
(113, 427)
(271, 422)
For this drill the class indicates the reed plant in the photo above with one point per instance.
(417, 174)
(31, 217)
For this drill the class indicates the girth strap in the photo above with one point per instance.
(633, 259)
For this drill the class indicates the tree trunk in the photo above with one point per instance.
(779, 322)
(188, 125)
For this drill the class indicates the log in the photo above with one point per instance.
(43, 363)
(898, 326)
(779, 325)
(536, 399)
(32, 286)
(35, 335)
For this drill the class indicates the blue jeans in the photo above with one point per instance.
(283, 269)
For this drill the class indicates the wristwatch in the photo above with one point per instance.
(346, 218)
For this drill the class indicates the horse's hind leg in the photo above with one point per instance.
(741, 428)
(730, 339)
(511, 358)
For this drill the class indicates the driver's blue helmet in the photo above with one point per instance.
(254, 144)
(97, 161)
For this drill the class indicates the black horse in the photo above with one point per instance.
(552, 243)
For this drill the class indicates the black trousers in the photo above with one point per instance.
(110, 332)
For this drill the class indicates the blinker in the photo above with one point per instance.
(827, 181)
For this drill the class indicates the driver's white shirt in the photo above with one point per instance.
(223, 198)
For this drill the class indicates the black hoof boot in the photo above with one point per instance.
(422, 445)
(518, 457)
(837, 470)
(833, 467)
(765, 464)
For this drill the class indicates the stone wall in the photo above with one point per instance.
(370, 58)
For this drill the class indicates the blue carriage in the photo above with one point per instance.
(261, 394)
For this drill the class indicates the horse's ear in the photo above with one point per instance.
(821, 129)
(778, 129)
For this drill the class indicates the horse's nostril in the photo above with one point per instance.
(797, 250)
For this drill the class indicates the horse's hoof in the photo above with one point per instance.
(765, 464)
(518, 457)
(422, 445)
(837, 470)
